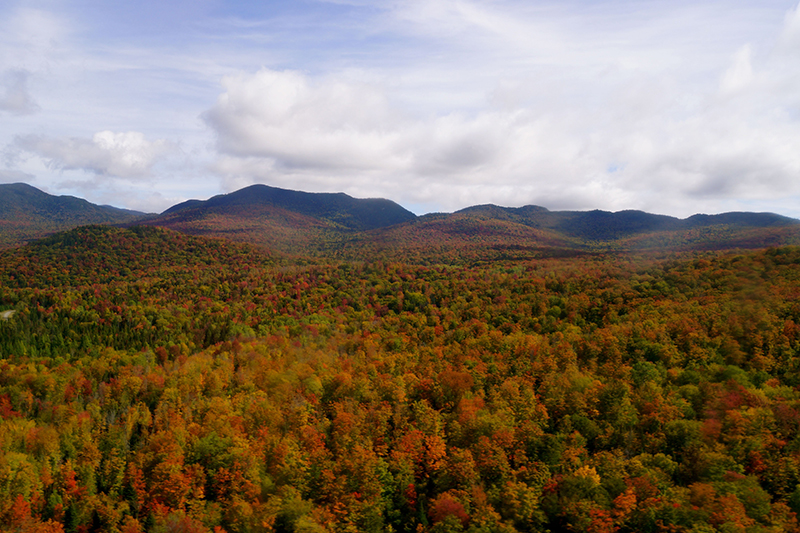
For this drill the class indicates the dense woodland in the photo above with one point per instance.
(151, 381)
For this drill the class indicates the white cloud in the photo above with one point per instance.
(740, 73)
(296, 122)
(31, 38)
(790, 34)
(635, 140)
(286, 126)
(108, 154)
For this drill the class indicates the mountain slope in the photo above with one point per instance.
(637, 230)
(338, 209)
(455, 238)
(26, 214)
(600, 225)
(335, 225)
(338, 226)
(265, 226)
(287, 221)
(104, 254)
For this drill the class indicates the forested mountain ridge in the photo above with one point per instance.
(26, 214)
(152, 381)
(338, 209)
(286, 221)
(605, 225)
(487, 233)
(335, 225)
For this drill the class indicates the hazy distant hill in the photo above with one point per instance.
(338, 209)
(608, 226)
(335, 225)
(488, 232)
(279, 219)
(26, 213)
(338, 226)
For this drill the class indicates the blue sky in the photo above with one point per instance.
(671, 107)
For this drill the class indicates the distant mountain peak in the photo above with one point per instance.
(336, 208)
(27, 213)
(336, 225)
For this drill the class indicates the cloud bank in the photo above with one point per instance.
(635, 145)
(127, 155)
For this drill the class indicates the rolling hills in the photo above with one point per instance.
(338, 226)
(27, 214)
(341, 227)
(288, 221)
(337, 209)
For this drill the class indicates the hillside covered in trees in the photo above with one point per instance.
(152, 381)
(335, 226)
(27, 214)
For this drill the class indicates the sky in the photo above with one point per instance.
(669, 106)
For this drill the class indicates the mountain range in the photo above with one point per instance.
(27, 214)
(340, 226)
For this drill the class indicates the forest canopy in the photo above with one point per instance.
(151, 381)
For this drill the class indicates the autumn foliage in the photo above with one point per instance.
(151, 381)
